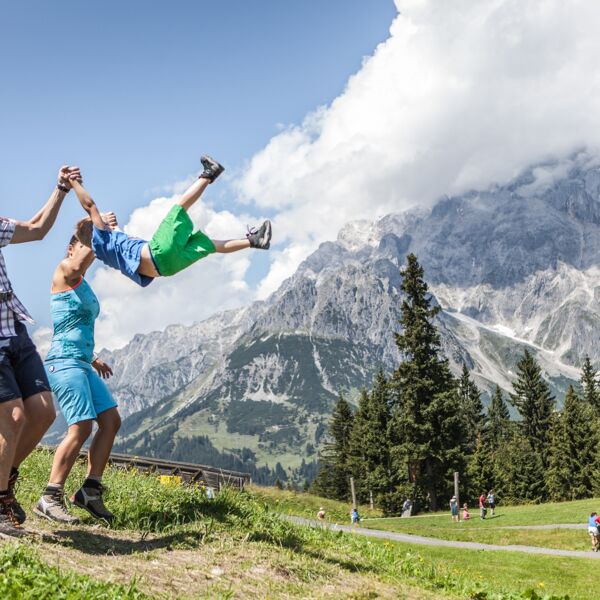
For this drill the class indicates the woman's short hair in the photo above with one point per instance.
(83, 233)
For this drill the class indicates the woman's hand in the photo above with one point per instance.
(102, 368)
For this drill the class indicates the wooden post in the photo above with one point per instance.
(371, 499)
(353, 493)
(456, 491)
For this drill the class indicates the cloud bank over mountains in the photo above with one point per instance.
(461, 95)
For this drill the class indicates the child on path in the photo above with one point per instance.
(354, 516)
(593, 530)
(454, 508)
(174, 246)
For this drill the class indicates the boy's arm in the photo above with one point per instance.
(88, 204)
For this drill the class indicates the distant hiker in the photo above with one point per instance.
(76, 375)
(454, 508)
(593, 530)
(491, 501)
(354, 516)
(174, 246)
(26, 406)
(482, 508)
(466, 515)
(407, 508)
(321, 514)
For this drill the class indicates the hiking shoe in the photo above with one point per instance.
(9, 524)
(17, 508)
(90, 498)
(260, 238)
(212, 169)
(53, 507)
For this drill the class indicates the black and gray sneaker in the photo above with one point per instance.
(89, 497)
(260, 238)
(9, 524)
(17, 508)
(212, 169)
(52, 507)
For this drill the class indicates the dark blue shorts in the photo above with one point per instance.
(22, 372)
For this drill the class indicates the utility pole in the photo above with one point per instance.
(456, 491)
(371, 499)
(353, 492)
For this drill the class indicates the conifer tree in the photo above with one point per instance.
(471, 407)
(589, 383)
(426, 429)
(498, 423)
(369, 444)
(572, 451)
(535, 403)
(333, 478)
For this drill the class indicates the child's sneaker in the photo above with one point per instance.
(260, 238)
(89, 497)
(212, 169)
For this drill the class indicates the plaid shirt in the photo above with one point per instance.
(10, 310)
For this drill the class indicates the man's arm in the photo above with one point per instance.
(41, 223)
(88, 204)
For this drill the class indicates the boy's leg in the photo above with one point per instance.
(212, 169)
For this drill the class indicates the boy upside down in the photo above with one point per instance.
(173, 247)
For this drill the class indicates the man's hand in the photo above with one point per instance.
(102, 368)
(66, 173)
(110, 219)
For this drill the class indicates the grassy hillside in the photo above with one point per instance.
(172, 542)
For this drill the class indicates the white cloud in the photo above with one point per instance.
(214, 283)
(462, 95)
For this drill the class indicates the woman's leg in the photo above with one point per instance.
(109, 423)
(68, 450)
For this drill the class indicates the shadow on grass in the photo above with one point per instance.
(92, 542)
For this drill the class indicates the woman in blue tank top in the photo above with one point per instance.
(75, 375)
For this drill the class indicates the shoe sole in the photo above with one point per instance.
(43, 515)
(92, 513)
(8, 536)
(267, 236)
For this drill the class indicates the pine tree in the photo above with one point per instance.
(498, 423)
(426, 429)
(589, 383)
(535, 403)
(472, 408)
(333, 478)
(572, 451)
(369, 444)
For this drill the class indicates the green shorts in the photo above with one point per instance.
(175, 246)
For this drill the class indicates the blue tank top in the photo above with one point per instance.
(74, 313)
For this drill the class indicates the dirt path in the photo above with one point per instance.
(428, 541)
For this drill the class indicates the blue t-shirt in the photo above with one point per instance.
(592, 522)
(74, 313)
(119, 251)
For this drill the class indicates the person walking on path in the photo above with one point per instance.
(491, 501)
(354, 516)
(482, 509)
(76, 376)
(174, 246)
(593, 530)
(454, 509)
(26, 406)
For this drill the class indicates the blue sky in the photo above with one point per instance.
(135, 91)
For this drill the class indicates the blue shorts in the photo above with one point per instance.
(79, 391)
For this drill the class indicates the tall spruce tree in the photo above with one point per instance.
(572, 451)
(535, 403)
(369, 445)
(427, 427)
(333, 478)
(471, 407)
(498, 423)
(589, 383)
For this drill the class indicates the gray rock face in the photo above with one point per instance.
(512, 267)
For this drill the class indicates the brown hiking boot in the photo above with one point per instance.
(9, 523)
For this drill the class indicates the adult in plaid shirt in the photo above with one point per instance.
(26, 407)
